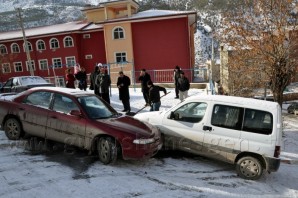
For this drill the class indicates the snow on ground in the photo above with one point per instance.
(73, 173)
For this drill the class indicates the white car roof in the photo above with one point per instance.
(234, 100)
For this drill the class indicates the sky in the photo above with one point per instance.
(72, 173)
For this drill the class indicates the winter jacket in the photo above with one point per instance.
(183, 84)
(154, 95)
(124, 83)
(103, 81)
(144, 79)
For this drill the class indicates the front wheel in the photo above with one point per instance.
(107, 150)
(12, 128)
(249, 168)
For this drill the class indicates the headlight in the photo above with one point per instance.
(143, 141)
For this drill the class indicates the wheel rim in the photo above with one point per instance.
(249, 168)
(104, 150)
(12, 129)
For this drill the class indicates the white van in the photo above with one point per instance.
(242, 131)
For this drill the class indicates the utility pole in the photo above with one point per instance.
(25, 42)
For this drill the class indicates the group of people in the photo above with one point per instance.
(100, 82)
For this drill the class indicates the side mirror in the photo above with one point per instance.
(75, 113)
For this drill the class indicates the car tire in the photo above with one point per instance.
(107, 150)
(13, 129)
(249, 168)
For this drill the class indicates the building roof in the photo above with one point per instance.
(44, 30)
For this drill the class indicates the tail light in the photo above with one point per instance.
(277, 151)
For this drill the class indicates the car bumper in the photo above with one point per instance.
(272, 164)
(138, 151)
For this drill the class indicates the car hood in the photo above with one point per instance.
(153, 117)
(130, 125)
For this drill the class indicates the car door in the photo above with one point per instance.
(182, 127)
(63, 127)
(223, 130)
(33, 113)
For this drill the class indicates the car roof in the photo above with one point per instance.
(74, 92)
(234, 100)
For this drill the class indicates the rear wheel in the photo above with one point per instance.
(107, 150)
(12, 128)
(249, 168)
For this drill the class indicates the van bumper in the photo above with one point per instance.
(272, 164)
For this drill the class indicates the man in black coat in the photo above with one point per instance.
(103, 81)
(177, 71)
(183, 86)
(123, 84)
(144, 78)
(93, 75)
(154, 96)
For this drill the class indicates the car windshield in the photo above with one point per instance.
(95, 108)
(29, 80)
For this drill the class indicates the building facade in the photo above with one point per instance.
(114, 34)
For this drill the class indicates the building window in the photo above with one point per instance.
(15, 48)
(68, 42)
(57, 63)
(43, 64)
(121, 57)
(70, 61)
(86, 36)
(18, 67)
(6, 68)
(3, 49)
(89, 56)
(118, 33)
(29, 46)
(32, 65)
(40, 45)
(54, 43)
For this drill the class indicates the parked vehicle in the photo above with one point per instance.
(22, 83)
(242, 131)
(78, 118)
(293, 108)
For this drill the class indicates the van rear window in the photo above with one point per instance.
(237, 118)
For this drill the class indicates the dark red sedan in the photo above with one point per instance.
(78, 118)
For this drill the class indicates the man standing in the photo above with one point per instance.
(93, 75)
(123, 84)
(144, 78)
(154, 96)
(82, 78)
(183, 86)
(103, 81)
(177, 71)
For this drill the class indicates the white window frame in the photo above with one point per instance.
(66, 42)
(12, 48)
(33, 65)
(71, 59)
(53, 62)
(15, 66)
(118, 32)
(4, 49)
(40, 64)
(37, 46)
(51, 40)
(117, 53)
(88, 56)
(6, 68)
(86, 36)
(29, 47)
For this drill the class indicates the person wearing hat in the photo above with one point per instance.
(154, 96)
(183, 86)
(177, 71)
(123, 84)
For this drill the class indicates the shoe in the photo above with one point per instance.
(176, 97)
(124, 110)
(147, 104)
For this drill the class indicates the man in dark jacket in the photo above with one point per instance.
(177, 71)
(154, 96)
(82, 78)
(93, 75)
(103, 81)
(144, 78)
(123, 84)
(183, 86)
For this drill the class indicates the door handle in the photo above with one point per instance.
(207, 128)
(54, 117)
(21, 108)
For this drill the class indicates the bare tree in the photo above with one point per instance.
(263, 35)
